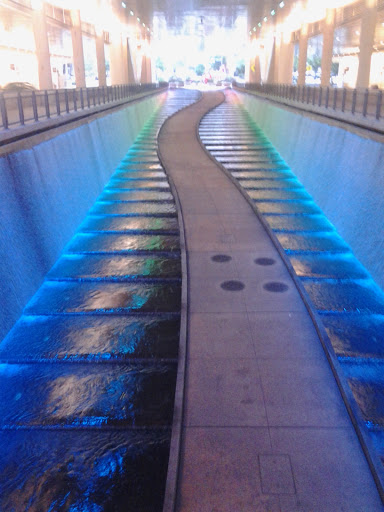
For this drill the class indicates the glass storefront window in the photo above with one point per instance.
(17, 48)
(345, 60)
(377, 61)
(60, 49)
(90, 61)
(314, 55)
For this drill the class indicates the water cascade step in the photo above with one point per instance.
(88, 373)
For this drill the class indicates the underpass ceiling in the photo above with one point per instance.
(220, 13)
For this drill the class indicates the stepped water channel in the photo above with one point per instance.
(346, 304)
(88, 373)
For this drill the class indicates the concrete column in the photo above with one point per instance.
(100, 55)
(367, 34)
(149, 64)
(271, 77)
(149, 69)
(42, 48)
(131, 71)
(277, 59)
(328, 36)
(285, 68)
(124, 61)
(77, 48)
(116, 59)
(143, 77)
(254, 70)
(303, 48)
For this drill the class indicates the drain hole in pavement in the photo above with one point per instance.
(221, 258)
(275, 287)
(232, 286)
(265, 262)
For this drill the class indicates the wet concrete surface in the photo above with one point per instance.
(88, 373)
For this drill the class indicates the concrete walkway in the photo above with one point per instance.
(265, 428)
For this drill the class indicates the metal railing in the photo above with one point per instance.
(359, 104)
(28, 107)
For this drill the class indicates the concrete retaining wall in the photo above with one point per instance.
(343, 171)
(46, 191)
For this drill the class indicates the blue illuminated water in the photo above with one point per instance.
(88, 373)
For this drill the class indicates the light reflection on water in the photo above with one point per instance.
(95, 437)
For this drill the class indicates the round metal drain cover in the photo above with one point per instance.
(221, 258)
(276, 287)
(232, 286)
(265, 262)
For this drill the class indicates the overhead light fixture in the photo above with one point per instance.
(254, 29)
(138, 19)
(265, 18)
(273, 12)
(259, 24)
(357, 32)
(250, 32)
(131, 13)
(281, 5)
(124, 5)
(143, 24)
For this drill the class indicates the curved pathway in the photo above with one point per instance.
(264, 427)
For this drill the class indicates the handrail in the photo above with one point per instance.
(23, 108)
(363, 107)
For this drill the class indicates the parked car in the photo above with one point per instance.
(175, 82)
(18, 87)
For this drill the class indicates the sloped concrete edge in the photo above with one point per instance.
(170, 497)
(353, 410)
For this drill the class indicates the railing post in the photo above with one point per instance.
(88, 98)
(74, 100)
(4, 115)
(308, 93)
(81, 98)
(320, 96)
(48, 113)
(344, 99)
(104, 94)
(313, 96)
(66, 101)
(365, 104)
(327, 97)
(57, 98)
(378, 104)
(94, 96)
(354, 98)
(303, 95)
(34, 107)
(107, 94)
(20, 107)
(334, 98)
(98, 96)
